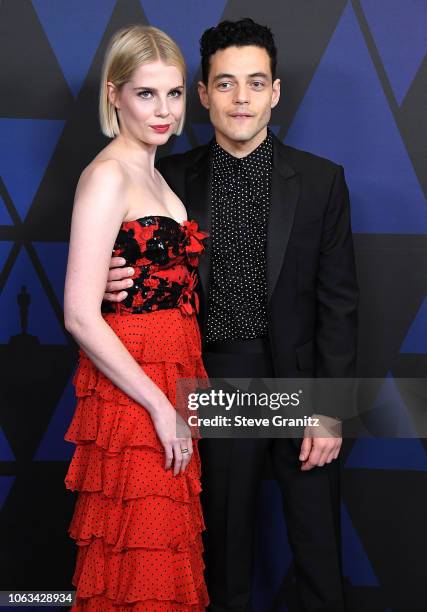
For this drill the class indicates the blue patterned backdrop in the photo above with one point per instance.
(354, 78)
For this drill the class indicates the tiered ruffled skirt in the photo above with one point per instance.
(137, 526)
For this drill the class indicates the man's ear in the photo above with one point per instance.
(276, 93)
(203, 94)
(112, 94)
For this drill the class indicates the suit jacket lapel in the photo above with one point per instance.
(198, 192)
(285, 190)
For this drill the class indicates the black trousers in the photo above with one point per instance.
(231, 474)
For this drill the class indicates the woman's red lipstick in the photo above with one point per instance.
(161, 128)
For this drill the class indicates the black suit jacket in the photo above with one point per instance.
(311, 277)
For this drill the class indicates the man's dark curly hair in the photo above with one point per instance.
(236, 33)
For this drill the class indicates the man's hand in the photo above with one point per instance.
(321, 444)
(117, 280)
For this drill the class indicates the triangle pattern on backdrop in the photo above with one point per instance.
(42, 321)
(5, 218)
(416, 338)
(6, 453)
(81, 139)
(356, 564)
(26, 146)
(389, 417)
(28, 61)
(345, 98)
(65, 23)
(393, 452)
(185, 22)
(401, 53)
(53, 447)
(53, 257)
(5, 248)
(6, 483)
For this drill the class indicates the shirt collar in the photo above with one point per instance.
(263, 151)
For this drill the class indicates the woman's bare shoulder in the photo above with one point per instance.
(102, 174)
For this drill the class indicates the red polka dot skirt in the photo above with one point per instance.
(137, 526)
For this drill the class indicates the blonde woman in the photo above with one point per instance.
(137, 520)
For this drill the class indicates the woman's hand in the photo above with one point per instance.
(175, 436)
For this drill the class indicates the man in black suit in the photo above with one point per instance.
(279, 299)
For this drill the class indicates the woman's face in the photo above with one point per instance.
(151, 104)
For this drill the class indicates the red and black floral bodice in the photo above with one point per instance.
(164, 255)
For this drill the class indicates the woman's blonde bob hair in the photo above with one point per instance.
(129, 48)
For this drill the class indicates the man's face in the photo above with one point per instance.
(240, 93)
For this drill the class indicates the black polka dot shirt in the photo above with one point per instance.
(240, 206)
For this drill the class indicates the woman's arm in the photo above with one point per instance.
(98, 212)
